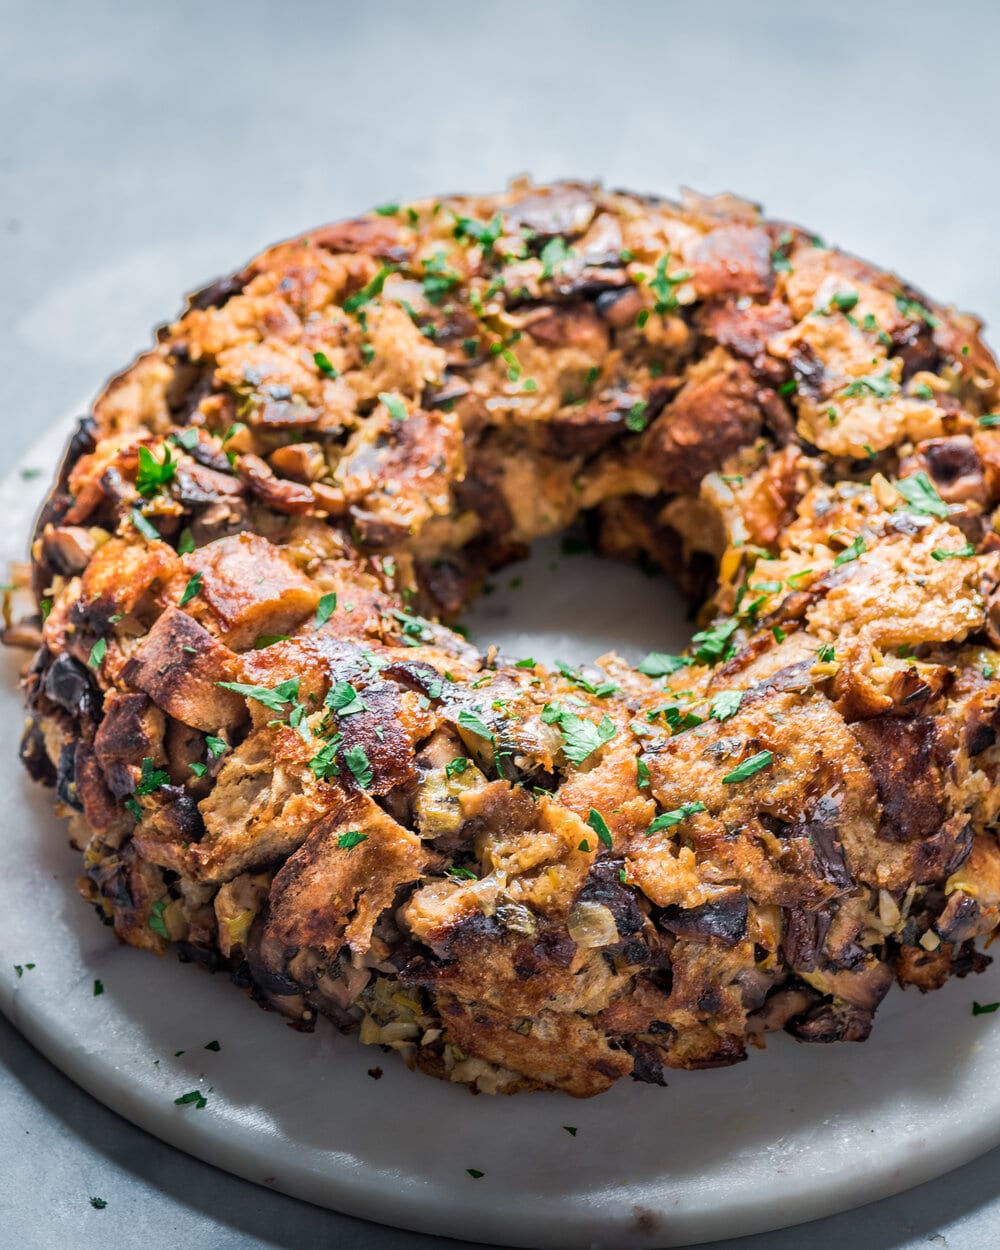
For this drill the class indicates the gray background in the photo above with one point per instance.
(144, 148)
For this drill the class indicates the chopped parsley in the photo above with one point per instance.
(348, 841)
(990, 421)
(882, 387)
(599, 826)
(581, 738)
(150, 778)
(463, 874)
(98, 988)
(577, 678)
(194, 1096)
(826, 653)
(198, 769)
(185, 544)
(323, 764)
(487, 235)
(98, 1203)
(216, 746)
(666, 820)
(356, 759)
(725, 704)
(852, 552)
(779, 633)
(343, 699)
(20, 969)
(641, 774)
(475, 1173)
(322, 362)
(919, 492)
(325, 609)
(438, 279)
(211, 1046)
(659, 664)
(156, 921)
(553, 254)
(394, 405)
(636, 420)
(145, 527)
(367, 292)
(472, 722)
(712, 644)
(456, 767)
(190, 590)
(276, 699)
(984, 1009)
(748, 768)
(663, 285)
(963, 553)
(97, 653)
(916, 311)
(154, 473)
(527, 662)
(571, 1129)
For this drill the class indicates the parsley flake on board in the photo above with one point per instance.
(984, 1009)
(962, 553)
(666, 820)
(749, 767)
(356, 759)
(919, 492)
(475, 1173)
(98, 1203)
(599, 826)
(98, 988)
(190, 590)
(154, 473)
(211, 1046)
(194, 1096)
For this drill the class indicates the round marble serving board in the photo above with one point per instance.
(796, 1133)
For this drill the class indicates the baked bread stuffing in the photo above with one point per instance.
(278, 758)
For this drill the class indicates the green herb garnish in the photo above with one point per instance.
(190, 590)
(749, 767)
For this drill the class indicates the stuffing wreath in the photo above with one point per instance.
(275, 757)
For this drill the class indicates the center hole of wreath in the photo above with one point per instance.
(574, 606)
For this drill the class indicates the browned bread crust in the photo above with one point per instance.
(522, 878)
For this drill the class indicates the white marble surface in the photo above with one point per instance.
(144, 148)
